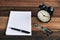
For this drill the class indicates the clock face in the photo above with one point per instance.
(43, 16)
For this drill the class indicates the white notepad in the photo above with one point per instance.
(19, 20)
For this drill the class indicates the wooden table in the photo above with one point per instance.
(30, 5)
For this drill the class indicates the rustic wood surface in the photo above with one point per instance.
(4, 11)
(53, 25)
(30, 5)
(27, 5)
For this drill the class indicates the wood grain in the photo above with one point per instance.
(53, 24)
(5, 11)
(27, 5)
(31, 3)
(30, 0)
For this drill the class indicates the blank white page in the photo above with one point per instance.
(20, 20)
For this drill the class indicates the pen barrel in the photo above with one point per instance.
(48, 31)
(21, 30)
(16, 29)
(25, 31)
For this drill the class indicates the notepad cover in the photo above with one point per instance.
(19, 20)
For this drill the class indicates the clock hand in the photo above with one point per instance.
(44, 15)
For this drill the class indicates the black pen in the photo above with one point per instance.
(20, 30)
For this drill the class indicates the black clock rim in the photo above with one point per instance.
(40, 20)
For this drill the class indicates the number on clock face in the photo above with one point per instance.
(43, 16)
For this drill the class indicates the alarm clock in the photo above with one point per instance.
(45, 13)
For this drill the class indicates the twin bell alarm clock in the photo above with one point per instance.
(45, 13)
